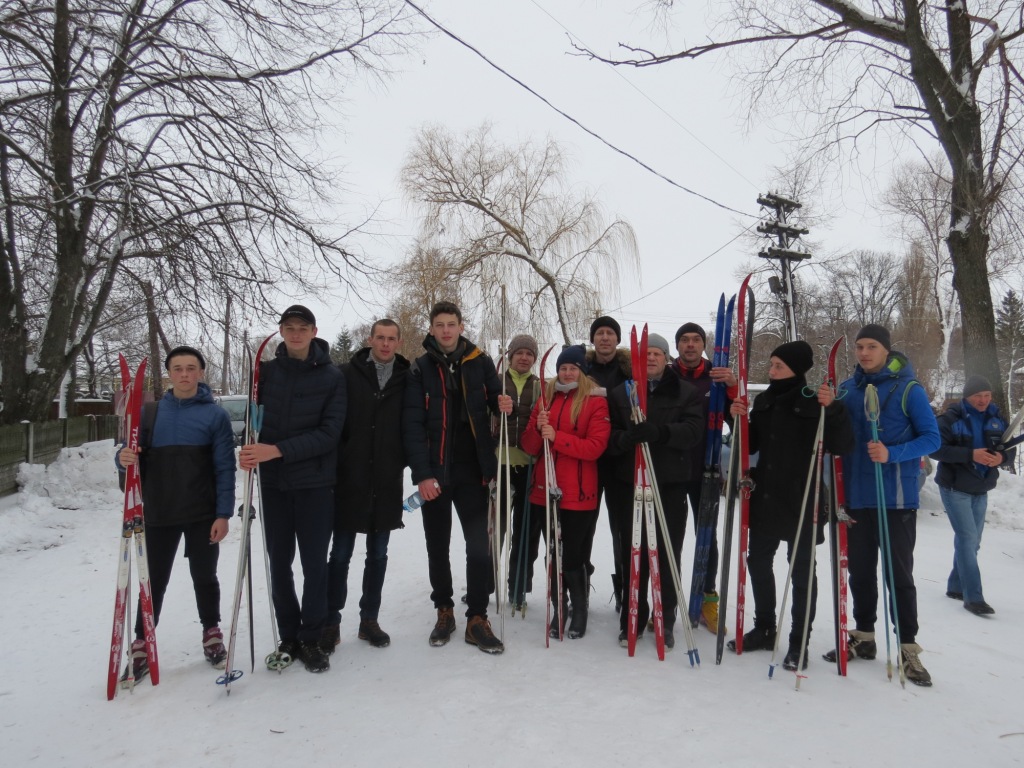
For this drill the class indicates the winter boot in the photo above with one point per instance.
(213, 647)
(371, 632)
(287, 652)
(314, 658)
(709, 613)
(330, 638)
(670, 638)
(980, 608)
(556, 606)
(617, 592)
(792, 660)
(912, 666)
(138, 667)
(757, 639)
(444, 627)
(579, 591)
(480, 634)
(861, 645)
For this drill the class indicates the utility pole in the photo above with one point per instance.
(784, 251)
(225, 382)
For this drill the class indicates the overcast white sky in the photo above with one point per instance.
(679, 118)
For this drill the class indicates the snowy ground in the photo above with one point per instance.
(579, 703)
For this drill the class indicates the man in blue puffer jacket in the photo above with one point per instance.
(969, 463)
(187, 465)
(303, 398)
(907, 431)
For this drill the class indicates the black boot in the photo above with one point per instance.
(617, 591)
(579, 593)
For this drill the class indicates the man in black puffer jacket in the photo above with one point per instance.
(303, 398)
(452, 391)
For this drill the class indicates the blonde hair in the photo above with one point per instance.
(585, 387)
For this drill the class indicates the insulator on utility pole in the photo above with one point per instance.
(782, 251)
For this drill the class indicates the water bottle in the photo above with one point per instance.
(413, 503)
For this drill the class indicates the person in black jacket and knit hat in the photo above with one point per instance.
(783, 427)
(609, 365)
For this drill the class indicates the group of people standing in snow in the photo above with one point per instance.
(335, 442)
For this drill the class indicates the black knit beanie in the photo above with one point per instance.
(876, 332)
(798, 355)
(605, 322)
(691, 328)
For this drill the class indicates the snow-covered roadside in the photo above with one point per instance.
(578, 703)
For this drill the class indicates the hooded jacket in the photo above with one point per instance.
(188, 465)
(957, 469)
(371, 458)
(576, 448)
(442, 390)
(303, 414)
(906, 426)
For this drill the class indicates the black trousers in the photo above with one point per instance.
(620, 504)
(761, 549)
(304, 518)
(161, 548)
(862, 547)
(470, 501)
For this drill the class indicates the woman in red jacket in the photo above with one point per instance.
(576, 426)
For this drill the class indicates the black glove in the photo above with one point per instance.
(645, 432)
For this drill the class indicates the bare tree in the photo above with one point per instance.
(945, 73)
(919, 196)
(506, 215)
(171, 136)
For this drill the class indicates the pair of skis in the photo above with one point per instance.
(648, 513)
(133, 538)
(707, 514)
(643, 510)
(276, 660)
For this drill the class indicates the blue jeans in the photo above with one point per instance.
(966, 513)
(374, 569)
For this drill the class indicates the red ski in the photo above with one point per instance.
(840, 523)
(133, 536)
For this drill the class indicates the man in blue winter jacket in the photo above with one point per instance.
(969, 461)
(907, 431)
(187, 463)
(303, 398)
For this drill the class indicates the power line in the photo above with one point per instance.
(577, 39)
(444, 30)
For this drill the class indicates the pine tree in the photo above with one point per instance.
(343, 348)
(1010, 345)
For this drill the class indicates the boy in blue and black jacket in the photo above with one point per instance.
(907, 431)
(187, 466)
